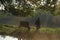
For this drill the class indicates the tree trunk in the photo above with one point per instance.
(24, 24)
(23, 35)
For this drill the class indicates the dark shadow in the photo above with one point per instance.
(24, 24)
(37, 23)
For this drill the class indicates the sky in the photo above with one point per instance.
(8, 38)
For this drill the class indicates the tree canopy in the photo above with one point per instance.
(27, 7)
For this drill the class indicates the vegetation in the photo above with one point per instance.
(8, 30)
(4, 29)
(26, 8)
(50, 30)
(4, 15)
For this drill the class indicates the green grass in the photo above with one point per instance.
(7, 30)
(42, 30)
(49, 30)
(11, 29)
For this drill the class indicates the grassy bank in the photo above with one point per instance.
(12, 29)
(4, 29)
(49, 30)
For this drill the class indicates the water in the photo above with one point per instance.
(8, 38)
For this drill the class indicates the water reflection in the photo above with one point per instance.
(7, 38)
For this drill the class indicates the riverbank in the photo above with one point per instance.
(45, 36)
(37, 35)
(42, 33)
(45, 33)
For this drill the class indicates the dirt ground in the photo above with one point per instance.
(44, 36)
(39, 36)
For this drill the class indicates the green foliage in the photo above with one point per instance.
(5, 29)
(32, 29)
(57, 10)
(25, 9)
(49, 30)
(4, 14)
(23, 29)
(8, 30)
